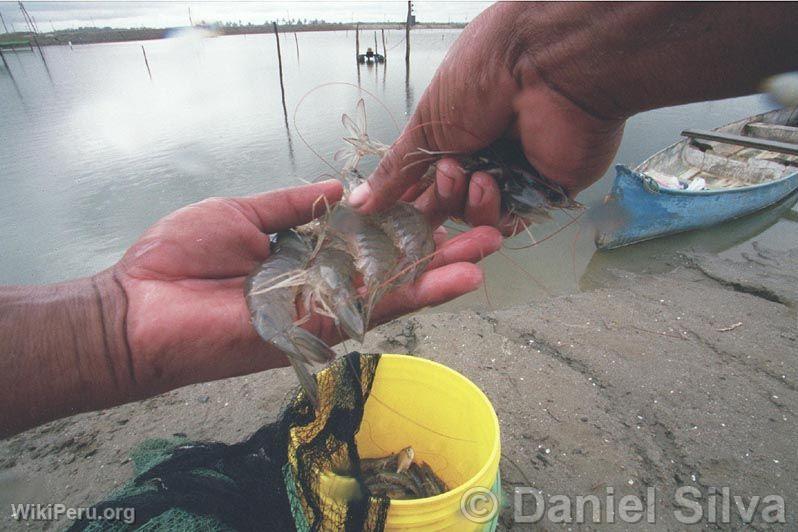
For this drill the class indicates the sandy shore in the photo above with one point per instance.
(688, 378)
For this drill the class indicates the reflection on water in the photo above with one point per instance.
(93, 158)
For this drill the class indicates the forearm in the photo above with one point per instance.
(616, 59)
(62, 351)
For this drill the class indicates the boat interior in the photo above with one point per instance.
(758, 149)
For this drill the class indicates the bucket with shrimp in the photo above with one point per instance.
(393, 442)
(423, 452)
(451, 426)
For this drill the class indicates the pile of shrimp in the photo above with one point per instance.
(341, 265)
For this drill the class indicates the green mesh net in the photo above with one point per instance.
(270, 481)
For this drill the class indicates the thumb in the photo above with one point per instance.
(403, 166)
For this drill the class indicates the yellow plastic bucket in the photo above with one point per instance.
(451, 425)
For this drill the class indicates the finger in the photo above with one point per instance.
(433, 288)
(405, 163)
(471, 246)
(439, 236)
(400, 168)
(288, 207)
(447, 196)
(484, 201)
(415, 190)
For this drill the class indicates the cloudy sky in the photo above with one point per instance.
(169, 13)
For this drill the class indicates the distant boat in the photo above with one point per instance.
(370, 57)
(705, 179)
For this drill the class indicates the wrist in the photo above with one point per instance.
(574, 50)
(63, 351)
(614, 60)
(110, 330)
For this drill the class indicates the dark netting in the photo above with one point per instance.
(271, 480)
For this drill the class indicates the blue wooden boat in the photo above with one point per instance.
(737, 169)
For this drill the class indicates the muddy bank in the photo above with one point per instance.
(687, 378)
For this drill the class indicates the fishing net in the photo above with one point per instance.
(270, 481)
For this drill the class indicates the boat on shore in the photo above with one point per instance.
(705, 179)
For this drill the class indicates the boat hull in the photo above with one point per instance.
(641, 210)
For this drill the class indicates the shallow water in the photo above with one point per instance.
(96, 152)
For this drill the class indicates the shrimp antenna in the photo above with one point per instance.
(323, 85)
(553, 233)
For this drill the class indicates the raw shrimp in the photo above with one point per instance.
(271, 297)
(374, 254)
(359, 142)
(524, 191)
(397, 476)
(412, 234)
(330, 290)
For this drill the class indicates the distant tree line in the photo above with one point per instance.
(280, 22)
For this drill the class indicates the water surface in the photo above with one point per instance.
(95, 152)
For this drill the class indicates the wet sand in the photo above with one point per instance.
(682, 378)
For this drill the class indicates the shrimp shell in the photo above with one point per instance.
(271, 298)
(330, 290)
(374, 253)
(524, 191)
(412, 234)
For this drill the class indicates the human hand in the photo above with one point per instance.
(187, 320)
(561, 78)
(488, 87)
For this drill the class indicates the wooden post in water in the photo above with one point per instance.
(296, 41)
(357, 41)
(146, 63)
(4, 22)
(5, 63)
(280, 68)
(407, 32)
(376, 48)
(384, 50)
(10, 75)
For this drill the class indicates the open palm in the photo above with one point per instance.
(187, 320)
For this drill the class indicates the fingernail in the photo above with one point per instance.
(475, 193)
(445, 186)
(360, 195)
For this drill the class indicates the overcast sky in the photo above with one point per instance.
(170, 13)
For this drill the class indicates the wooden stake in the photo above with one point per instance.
(280, 67)
(296, 41)
(407, 32)
(357, 42)
(384, 50)
(376, 48)
(33, 30)
(5, 63)
(146, 63)
(10, 75)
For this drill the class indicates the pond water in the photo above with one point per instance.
(95, 152)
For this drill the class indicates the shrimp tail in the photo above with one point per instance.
(306, 380)
(307, 347)
(373, 299)
(312, 348)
